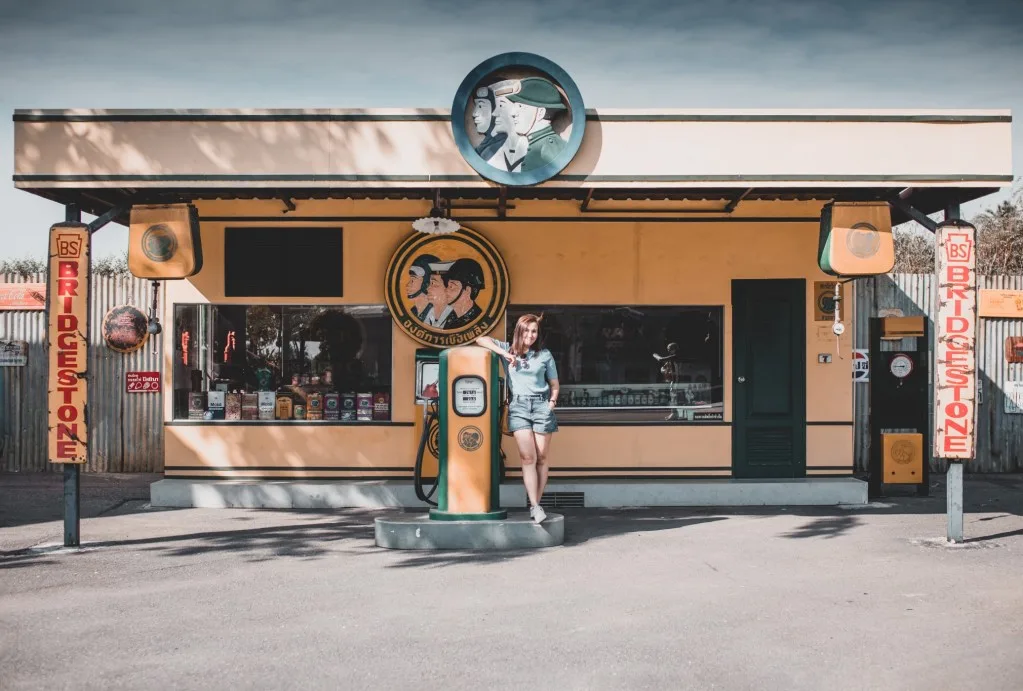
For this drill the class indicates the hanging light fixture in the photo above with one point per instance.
(435, 224)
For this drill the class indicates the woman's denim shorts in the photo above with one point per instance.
(531, 413)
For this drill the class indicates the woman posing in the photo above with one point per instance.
(533, 388)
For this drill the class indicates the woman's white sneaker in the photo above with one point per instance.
(538, 514)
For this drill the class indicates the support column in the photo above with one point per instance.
(954, 498)
(954, 476)
(72, 485)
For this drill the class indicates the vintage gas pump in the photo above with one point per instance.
(899, 428)
(469, 436)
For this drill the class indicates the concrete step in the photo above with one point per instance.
(301, 494)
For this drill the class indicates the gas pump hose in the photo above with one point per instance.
(421, 493)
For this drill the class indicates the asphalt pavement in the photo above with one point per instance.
(844, 598)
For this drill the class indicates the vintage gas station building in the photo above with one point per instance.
(687, 237)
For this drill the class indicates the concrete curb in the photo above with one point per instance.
(517, 532)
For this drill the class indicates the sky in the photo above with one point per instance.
(414, 53)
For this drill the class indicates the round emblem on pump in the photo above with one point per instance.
(518, 119)
(446, 290)
(902, 452)
(159, 243)
(470, 438)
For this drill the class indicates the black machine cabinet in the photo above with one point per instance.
(899, 405)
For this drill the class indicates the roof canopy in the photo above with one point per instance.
(106, 158)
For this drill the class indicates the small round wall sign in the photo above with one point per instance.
(518, 119)
(902, 366)
(125, 329)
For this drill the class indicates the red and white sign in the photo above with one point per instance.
(68, 353)
(142, 382)
(22, 296)
(861, 365)
(955, 358)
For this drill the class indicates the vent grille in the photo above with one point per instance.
(562, 500)
(769, 445)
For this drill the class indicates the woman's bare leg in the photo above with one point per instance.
(543, 447)
(527, 454)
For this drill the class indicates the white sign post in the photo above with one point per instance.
(955, 359)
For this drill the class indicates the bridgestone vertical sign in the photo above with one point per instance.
(68, 296)
(955, 385)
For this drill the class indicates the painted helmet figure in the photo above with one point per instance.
(536, 101)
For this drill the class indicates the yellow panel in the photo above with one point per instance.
(861, 239)
(468, 438)
(902, 462)
(163, 242)
(900, 327)
(829, 449)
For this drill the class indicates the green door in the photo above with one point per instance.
(768, 378)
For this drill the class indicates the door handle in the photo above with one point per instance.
(742, 380)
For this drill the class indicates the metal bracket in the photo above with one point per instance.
(290, 205)
(914, 213)
(106, 218)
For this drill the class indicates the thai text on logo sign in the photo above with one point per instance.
(955, 389)
(68, 358)
(142, 382)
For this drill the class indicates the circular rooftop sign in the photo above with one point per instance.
(518, 119)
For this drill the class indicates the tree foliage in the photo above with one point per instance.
(27, 267)
(914, 252)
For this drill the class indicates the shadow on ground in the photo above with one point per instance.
(312, 534)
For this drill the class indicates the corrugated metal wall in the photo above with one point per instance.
(127, 429)
(999, 435)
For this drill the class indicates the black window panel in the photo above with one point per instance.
(283, 262)
(613, 366)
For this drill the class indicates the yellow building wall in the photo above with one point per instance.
(563, 262)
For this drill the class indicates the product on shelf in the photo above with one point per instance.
(233, 406)
(381, 406)
(196, 405)
(266, 402)
(348, 407)
(331, 406)
(284, 407)
(315, 403)
(215, 403)
(363, 406)
(250, 406)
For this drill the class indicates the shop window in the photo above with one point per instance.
(283, 262)
(634, 364)
(273, 362)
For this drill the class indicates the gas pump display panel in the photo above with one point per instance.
(469, 396)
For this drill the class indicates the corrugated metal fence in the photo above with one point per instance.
(999, 435)
(126, 429)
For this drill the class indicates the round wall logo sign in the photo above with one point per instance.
(159, 243)
(518, 119)
(446, 290)
(125, 329)
(470, 438)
